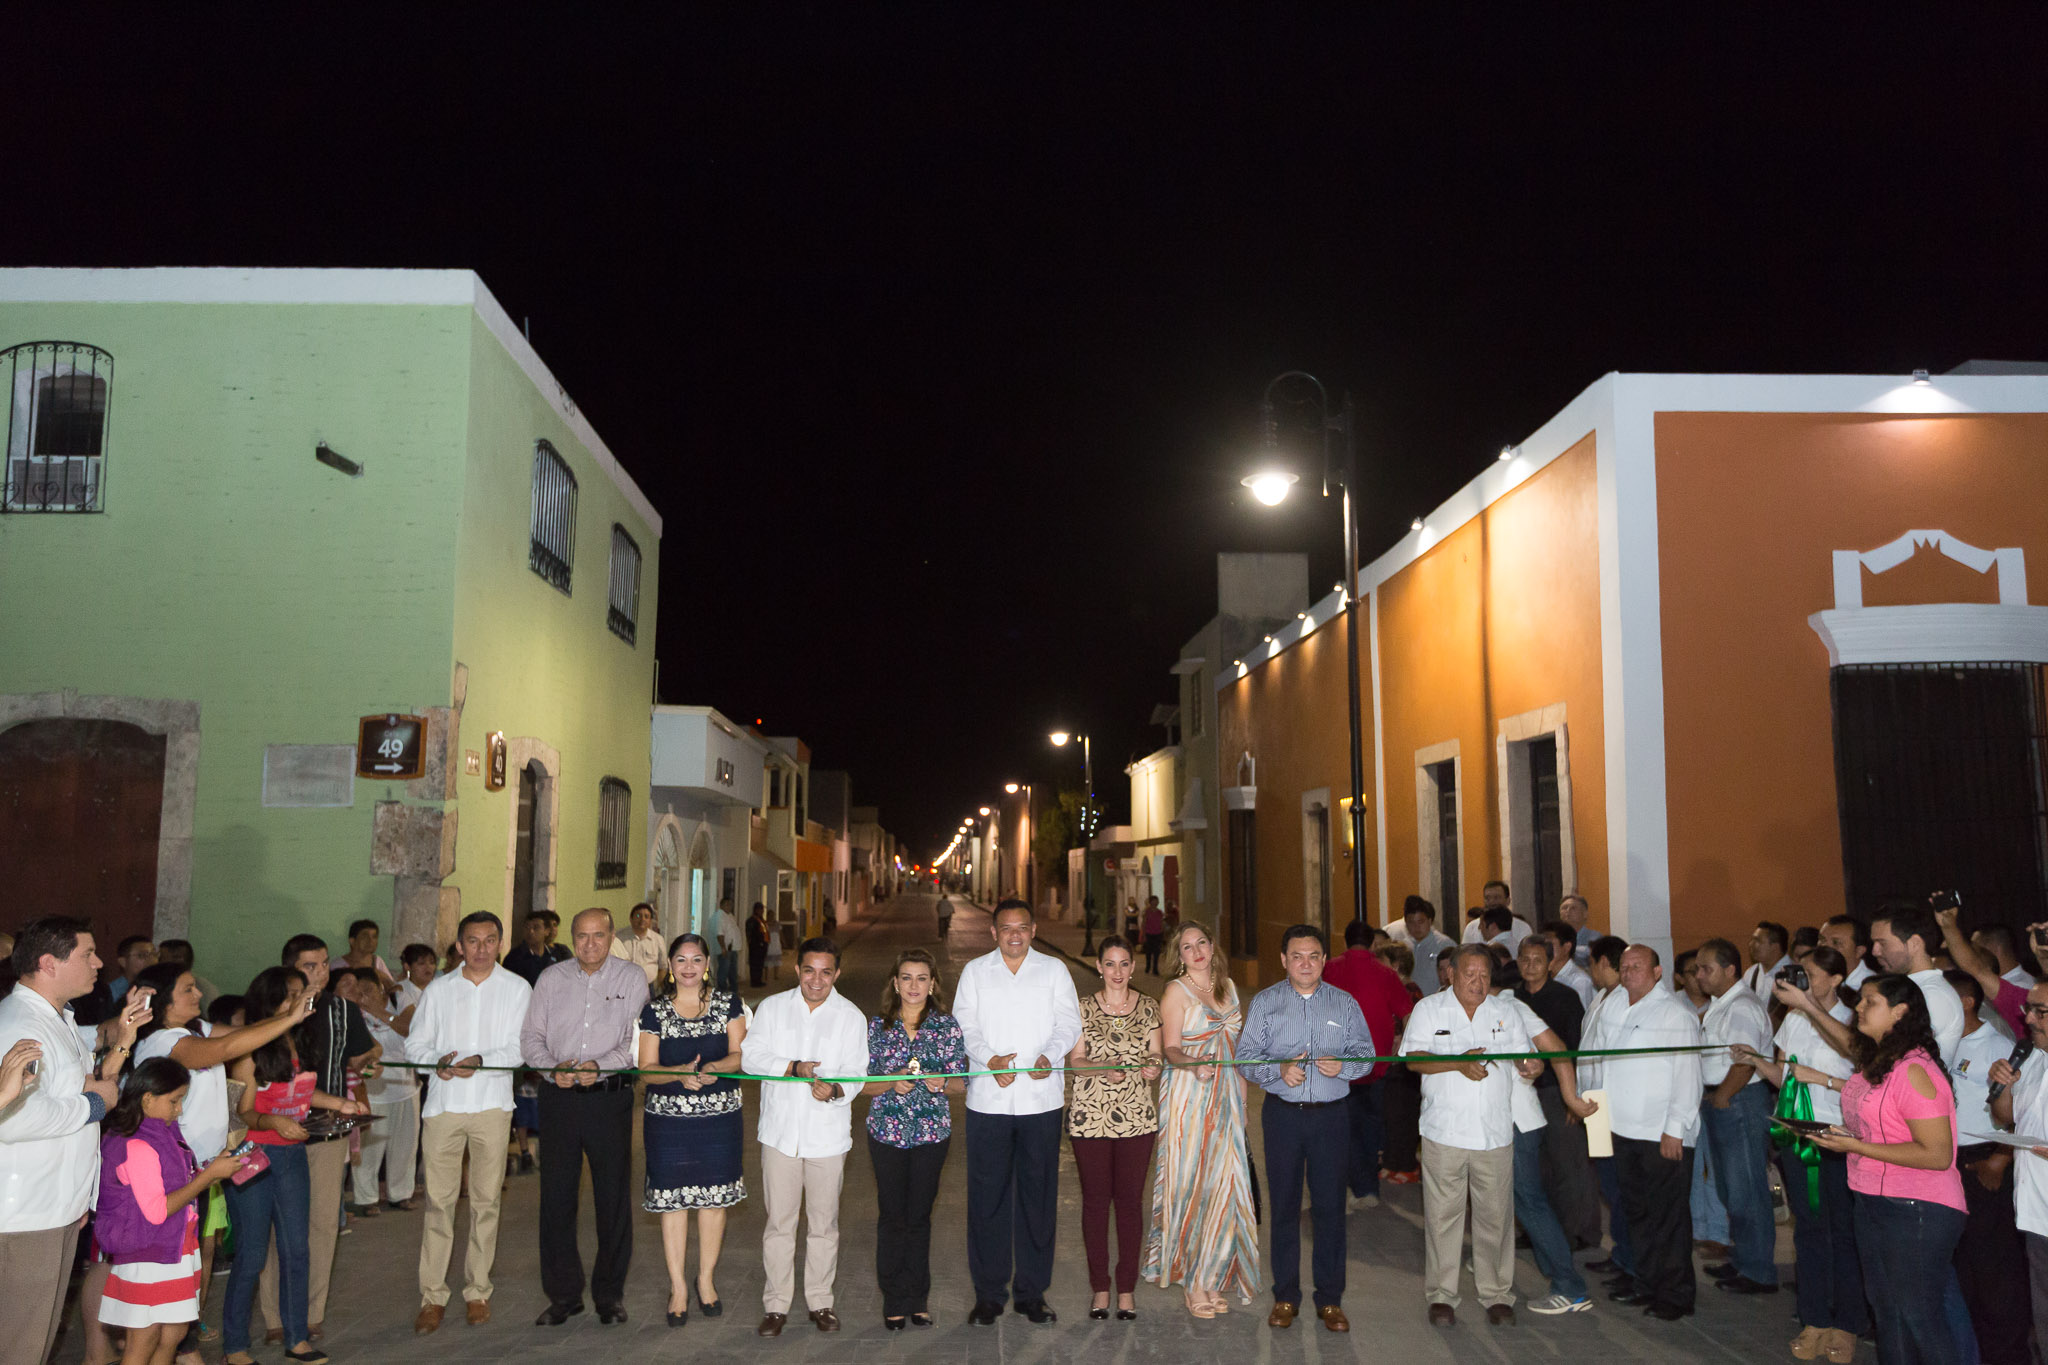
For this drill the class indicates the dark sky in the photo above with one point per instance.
(936, 332)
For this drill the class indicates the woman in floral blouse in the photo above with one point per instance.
(910, 1126)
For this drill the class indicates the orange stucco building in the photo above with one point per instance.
(1639, 656)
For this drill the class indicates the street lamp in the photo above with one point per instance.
(1059, 740)
(1340, 468)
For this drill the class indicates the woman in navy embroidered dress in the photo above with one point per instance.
(910, 1127)
(692, 1127)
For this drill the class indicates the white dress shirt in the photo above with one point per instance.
(456, 1015)
(1757, 980)
(1528, 1108)
(1650, 1096)
(645, 951)
(786, 1029)
(2030, 1119)
(49, 1145)
(1601, 1022)
(2021, 977)
(389, 1085)
(1581, 982)
(730, 939)
(1944, 1011)
(1971, 1080)
(1734, 1016)
(1458, 1111)
(1033, 1012)
(1858, 974)
(1518, 929)
(1798, 1038)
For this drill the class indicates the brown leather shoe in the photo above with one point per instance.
(429, 1319)
(1441, 1315)
(479, 1312)
(1500, 1315)
(1334, 1319)
(771, 1324)
(274, 1337)
(826, 1319)
(1282, 1315)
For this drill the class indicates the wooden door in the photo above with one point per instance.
(81, 803)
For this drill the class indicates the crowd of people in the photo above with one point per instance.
(1885, 1069)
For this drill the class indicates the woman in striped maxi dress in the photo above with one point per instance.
(1203, 1234)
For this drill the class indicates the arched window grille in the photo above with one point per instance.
(553, 551)
(56, 426)
(623, 612)
(614, 816)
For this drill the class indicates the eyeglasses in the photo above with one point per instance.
(2036, 1011)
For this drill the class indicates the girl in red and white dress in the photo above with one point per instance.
(147, 1219)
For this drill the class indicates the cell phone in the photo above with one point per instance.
(1945, 900)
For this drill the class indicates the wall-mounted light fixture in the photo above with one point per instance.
(334, 459)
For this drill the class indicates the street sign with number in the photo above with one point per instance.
(391, 747)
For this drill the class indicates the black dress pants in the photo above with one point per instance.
(1013, 1203)
(906, 1186)
(1991, 1263)
(1657, 1195)
(1307, 1144)
(574, 1125)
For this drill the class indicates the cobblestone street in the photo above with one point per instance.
(375, 1297)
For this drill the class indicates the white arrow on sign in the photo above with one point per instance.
(387, 767)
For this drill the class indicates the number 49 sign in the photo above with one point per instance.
(391, 747)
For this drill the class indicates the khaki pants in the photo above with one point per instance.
(35, 1270)
(326, 1168)
(446, 1137)
(1452, 1176)
(788, 1182)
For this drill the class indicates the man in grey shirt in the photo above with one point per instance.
(1305, 1118)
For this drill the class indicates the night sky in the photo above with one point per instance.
(936, 333)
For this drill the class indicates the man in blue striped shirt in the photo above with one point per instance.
(1305, 1117)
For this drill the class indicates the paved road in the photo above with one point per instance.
(375, 1296)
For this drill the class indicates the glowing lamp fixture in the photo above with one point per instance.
(1270, 486)
(1059, 739)
(1415, 525)
(1506, 453)
(1010, 787)
(984, 810)
(1920, 377)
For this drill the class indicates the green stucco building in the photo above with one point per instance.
(243, 509)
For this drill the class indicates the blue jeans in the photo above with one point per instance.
(1539, 1220)
(1906, 1246)
(1824, 1246)
(1741, 1162)
(1368, 1135)
(277, 1199)
(1709, 1218)
(1617, 1215)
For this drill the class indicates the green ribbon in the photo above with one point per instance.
(666, 1074)
(1795, 1101)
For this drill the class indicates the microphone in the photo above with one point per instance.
(2021, 1050)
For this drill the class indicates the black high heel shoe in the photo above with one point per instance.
(920, 1319)
(893, 1324)
(679, 1319)
(711, 1309)
(1126, 1315)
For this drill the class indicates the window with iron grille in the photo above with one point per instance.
(614, 812)
(56, 426)
(554, 516)
(624, 610)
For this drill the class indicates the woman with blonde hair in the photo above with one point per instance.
(1203, 1231)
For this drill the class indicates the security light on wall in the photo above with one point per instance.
(334, 459)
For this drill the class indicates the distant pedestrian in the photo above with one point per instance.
(1154, 924)
(945, 915)
(580, 1032)
(690, 1038)
(910, 1128)
(1017, 1008)
(729, 941)
(757, 943)
(775, 933)
(812, 1034)
(1304, 1117)
(1131, 930)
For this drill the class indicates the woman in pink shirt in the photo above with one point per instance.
(1899, 1131)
